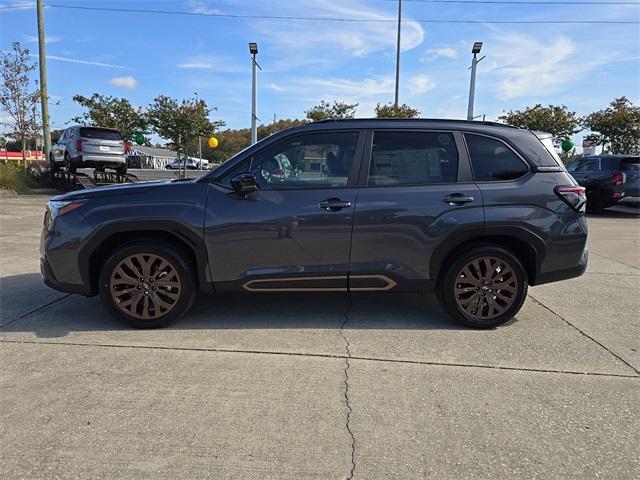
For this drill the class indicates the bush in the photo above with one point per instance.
(16, 177)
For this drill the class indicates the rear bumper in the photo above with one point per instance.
(565, 274)
(99, 160)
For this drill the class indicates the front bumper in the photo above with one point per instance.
(50, 281)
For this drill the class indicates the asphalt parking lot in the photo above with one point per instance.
(322, 386)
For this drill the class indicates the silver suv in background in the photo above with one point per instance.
(89, 147)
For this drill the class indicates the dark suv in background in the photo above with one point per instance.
(607, 178)
(476, 211)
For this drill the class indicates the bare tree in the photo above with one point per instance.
(19, 95)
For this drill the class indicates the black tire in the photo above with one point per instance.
(594, 205)
(53, 168)
(147, 249)
(454, 277)
(121, 170)
(70, 167)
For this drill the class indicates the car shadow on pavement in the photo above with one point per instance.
(50, 314)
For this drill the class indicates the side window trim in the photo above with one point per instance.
(363, 178)
(516, 153)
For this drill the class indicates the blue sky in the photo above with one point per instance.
(139, 56)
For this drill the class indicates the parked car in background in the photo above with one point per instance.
(89, 147)
(191, 164)
(608, 179)
(475, 211)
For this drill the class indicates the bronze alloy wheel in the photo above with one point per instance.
(145, 286)
(485, 287)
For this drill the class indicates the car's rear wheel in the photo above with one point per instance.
(68, 164)
(53, 168)
(147, 284)
(483, 287)
(121, 170)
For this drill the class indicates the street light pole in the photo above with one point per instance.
(398, 52)
(44, 97)
(472, 87)
(253, 49)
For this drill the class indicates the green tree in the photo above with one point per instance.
(617, 127)
(559, 121)
(326, 111)
(112, 112)
(19, 95)
(392, 111)
(181, 122)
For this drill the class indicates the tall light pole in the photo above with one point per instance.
(472, 88)
(395, 102)
(253, 50)
(199, 141)
(44, 97)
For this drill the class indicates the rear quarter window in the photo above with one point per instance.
(100, 133)
(492, 160)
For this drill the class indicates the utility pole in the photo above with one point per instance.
(472, 87)
(44, 97)
(398, 52)
(253, 49)
(199, 142)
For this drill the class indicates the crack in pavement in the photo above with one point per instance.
(323, 355)
(36, 310)
(346, 389)
(591, 252)
(584, 334)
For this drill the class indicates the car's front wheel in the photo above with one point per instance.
(483, 287)
(147, 284)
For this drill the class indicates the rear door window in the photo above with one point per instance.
(100, 133)
(492, 160)
(413, 158)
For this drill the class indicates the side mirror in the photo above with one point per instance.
(244, 183)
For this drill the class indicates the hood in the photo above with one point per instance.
(118, 189)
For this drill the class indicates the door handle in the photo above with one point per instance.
(457, 199)
(334, 204)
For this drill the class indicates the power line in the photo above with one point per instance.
(524, 2)
(334, 19)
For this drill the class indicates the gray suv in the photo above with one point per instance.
(475, 211)
(89, 147)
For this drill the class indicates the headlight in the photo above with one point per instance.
(58, 208)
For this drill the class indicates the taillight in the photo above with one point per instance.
(575, 197)
(79, 145)
(618, 178)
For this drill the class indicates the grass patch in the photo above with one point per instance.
(20, 179)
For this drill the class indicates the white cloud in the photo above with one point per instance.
(420, 84)
(84, 62)
(439, 52)
(127, 82)
(212, 62)
(202, 8)
(352, 89)
(47, 39)
(299, 41)
(275, 88)
(524, 65)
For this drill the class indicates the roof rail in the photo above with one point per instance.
(434, 120)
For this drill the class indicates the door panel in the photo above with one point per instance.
(397, 229)
(281, 235)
